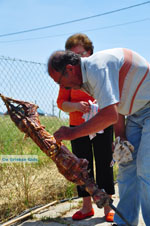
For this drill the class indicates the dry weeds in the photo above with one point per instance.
(23, 186)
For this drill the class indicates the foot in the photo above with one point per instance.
(109, 214)
(87, 205)
(80, 216)
(109, 217)
(86, 209)
(107, 209)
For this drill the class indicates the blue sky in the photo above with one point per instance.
(18, 15)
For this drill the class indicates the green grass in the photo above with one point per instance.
(12, 141)
(30, 184)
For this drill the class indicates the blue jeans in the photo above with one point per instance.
(134, 177)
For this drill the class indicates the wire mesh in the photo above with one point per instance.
(28, 81)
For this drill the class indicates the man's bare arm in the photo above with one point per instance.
(106, 117)
(119, 127)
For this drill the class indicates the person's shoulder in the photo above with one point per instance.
(108, 56)
(63, 92)
(98, 55)
(112, 51)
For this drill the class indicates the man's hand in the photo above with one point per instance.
(64, 133)
(104, 118)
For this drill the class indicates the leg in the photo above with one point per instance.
(143, 169)
(129, 203)
(102, 144)
(82, 148)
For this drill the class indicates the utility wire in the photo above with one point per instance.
(89, 30)
(73, 21)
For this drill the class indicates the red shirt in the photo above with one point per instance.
(73, 95)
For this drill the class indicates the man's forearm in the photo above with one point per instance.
(119, 127)
(100, 121)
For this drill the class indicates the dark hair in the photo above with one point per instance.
(59, 59)
(79, 39)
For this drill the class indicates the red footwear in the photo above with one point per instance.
(109, 217)
(80, 216)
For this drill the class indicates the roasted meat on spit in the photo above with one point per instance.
(26, 118)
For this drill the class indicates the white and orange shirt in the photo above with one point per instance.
(117, 76)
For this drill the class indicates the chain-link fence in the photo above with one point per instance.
(28, 81)
(24, 169)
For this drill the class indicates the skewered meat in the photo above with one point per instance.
(26, 118)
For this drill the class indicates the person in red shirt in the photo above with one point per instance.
(76, 103)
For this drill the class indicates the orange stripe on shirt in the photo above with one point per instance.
(133, 98)
(125, 68)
